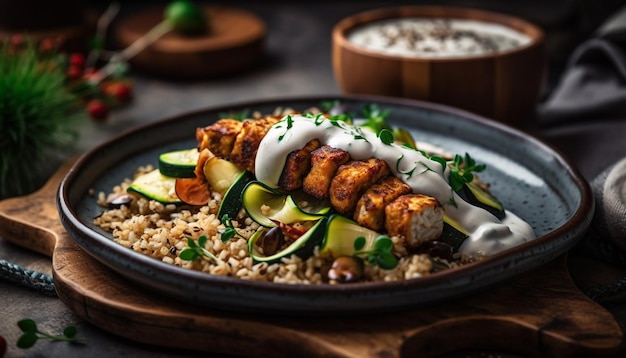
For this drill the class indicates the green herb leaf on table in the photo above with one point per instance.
(31, 334)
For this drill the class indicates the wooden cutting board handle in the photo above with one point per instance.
(536, 314)
(32, 221)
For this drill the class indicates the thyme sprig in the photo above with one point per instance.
(31, 334)
(379, 255)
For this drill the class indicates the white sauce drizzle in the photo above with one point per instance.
(488, 235)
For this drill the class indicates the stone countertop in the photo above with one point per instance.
(297, 64)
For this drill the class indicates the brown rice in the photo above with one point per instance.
(161, 231)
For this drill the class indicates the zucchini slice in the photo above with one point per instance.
(453, 234)
(179, 163)
(303, 246)
(232, 201)
(280, 207)
(156, 186)
(340, 235)
(475, 195)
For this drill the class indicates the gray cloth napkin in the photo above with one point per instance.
(606, 238)
(591, 92)
(594, 81)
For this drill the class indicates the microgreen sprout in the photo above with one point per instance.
(31, 334)
(240, 116)
(330, 106)
(405, 138)
(196, 250)
(230, 230)
(379, 255)
(461, 169)
(375, 118)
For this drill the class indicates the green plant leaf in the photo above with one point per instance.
(70, 331)
(386, 136)
(27, 340)
(202, 241)
(387, 261)
(383, 243)
(27, 325)
(359, 242)
(188, 255)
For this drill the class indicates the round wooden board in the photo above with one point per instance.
(234, 43)
(539, 313)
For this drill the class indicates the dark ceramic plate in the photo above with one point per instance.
(530, 178)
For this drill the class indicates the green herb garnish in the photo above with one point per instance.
(230, 230)
(461, 171)
(31, 334)
(196, 251)
(240, 116)
(386, 136)
(381, 253)
(327, 106)
(289, 122)
(375, 118)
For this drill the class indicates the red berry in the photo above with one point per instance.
(73, 73)
(123, 93)
(97, 110)
(118, 90)
(46, 45)
(77, 60)
(3, 346)
(17, 40)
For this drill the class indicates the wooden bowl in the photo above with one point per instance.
(503, 86)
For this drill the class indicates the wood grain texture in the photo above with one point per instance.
(501, 86)
(540, 313)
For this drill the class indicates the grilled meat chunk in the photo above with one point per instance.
(352, 180)
(297, 166)
(248, 140)
(417, 218)
(324, 164)
(219, 137)
(370, 209)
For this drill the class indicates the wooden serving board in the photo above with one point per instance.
(540, 313)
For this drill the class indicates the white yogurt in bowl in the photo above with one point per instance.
(436, 37)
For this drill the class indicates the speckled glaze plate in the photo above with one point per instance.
(528, 176)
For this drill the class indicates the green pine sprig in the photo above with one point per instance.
(37, 116)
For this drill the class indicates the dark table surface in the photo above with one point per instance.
(297, 64)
